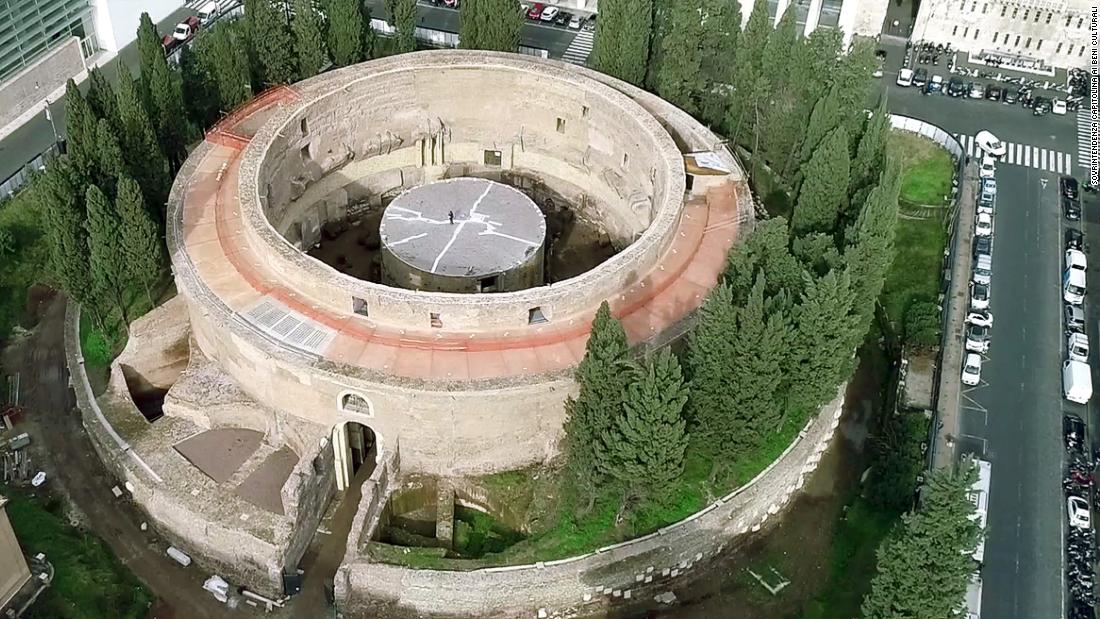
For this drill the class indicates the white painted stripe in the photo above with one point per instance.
(1025, 159)
(1069, 163)
(969, 145)
(1058, 163)
(1010, 154)
(1042, 159)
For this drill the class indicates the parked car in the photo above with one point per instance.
(563, 18)
(535, 12)
(1075, 239)
(1074, 319)
(993, 93)
(1073, 432)
(1071, 209)
(979, 296)
(983, 270)
(589, 24)
(549, 13)
(983, 246)
(905, 78)
(988, 185)
(1073, 286)
(1077, 347)
(1069, 188)
(575, 22)
(986, 203)
(983, 224)
(1078, 509)
(1075, 259)
(1011, 97)
(976, 90)
(990, 145)
(972, 369)
(956, 87)
(988, 167)
(1040, 106)
(977, 338)
(920, 77)
(1058, 106)
(935, 84)
(982, 318)
(1076, 381)
(209, 12)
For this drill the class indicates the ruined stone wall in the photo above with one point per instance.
(366, 589)
(394, 107)
(306, 495)
(467, 430)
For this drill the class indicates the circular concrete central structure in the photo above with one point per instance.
(463, 235)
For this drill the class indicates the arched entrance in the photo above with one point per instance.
(355, 451)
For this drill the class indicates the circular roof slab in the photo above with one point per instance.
(495, 227)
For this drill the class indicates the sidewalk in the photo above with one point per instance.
(954, 307)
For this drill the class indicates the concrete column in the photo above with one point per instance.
(813, 17)
(779, 9)
(746, 10)
(847, 22)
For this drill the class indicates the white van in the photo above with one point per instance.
(1073, 286)
(983, 269)
(209, 12)
(905, 78)
(1076, 381)
(1077, 347)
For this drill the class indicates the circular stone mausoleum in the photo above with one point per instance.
(392, 268)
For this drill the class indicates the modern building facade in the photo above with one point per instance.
(1033, 34)
(14, 572)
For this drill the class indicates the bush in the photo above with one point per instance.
(897, 461)
(922, 324)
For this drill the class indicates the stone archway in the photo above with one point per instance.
(355, 451)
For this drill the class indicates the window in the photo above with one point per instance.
(359, 306)
(489, 284)
(584, 111)
(1050, 15)
(1004, 9)
(437, 322)
(962, 5)
(1026, 13)
(1068, 18)
(1028, 43)
(1039, 45)
(984, 8)
(1080, 21)
(973, 7)
(536, 317)
(492, 157)
(966, 31)
(1059, 50)
(304, 152)
(625, 159)
(355, 403)
(1006, 38)
(954, 30)
(1015, 10)
(561, 125)
(1038, 14)
(976, 31)
(1082, 52)
(1016, 43)
(304, 126)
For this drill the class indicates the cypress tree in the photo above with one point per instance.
(621, 46)
(680, 79)
(821, 350)
(271, 41)
(150, 53)
(345, 32)
(827, 115)
(871, 244)
(748, 69)
(871, 152)
(924, 567)
(105, 259)
(646, 442)
(491, 25)
(143, 158)
(202, 99)
(161, 91)
(403, 16)
(808, 71)
(853, 77)
(109, 160)
(101, 97)
(766, 251)
(308, 40)
(822, 196)
(601, 375)
(223, 57)
(80, 130)
(662, 25)
(721, 27)
(780, 128)
(139, 240)
(63, 216)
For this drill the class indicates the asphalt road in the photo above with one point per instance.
(1013, 418)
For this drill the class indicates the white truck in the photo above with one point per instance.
(1076, 381)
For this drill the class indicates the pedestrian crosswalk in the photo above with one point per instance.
(1025, 155)
(578, 50)
(1085, 148)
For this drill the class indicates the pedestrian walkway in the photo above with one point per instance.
(1025, 155)
(578, 50)
(1085, 153)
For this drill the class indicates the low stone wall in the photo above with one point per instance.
(367, 589)
(375, 492)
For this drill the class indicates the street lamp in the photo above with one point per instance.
(53, 127)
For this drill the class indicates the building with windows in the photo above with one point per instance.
(14, 572)
(1036, 35)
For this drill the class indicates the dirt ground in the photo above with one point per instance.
(61, 448)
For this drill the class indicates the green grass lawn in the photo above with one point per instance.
(915, 273)
(89, 582)
(23, 257)
(927, 169)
